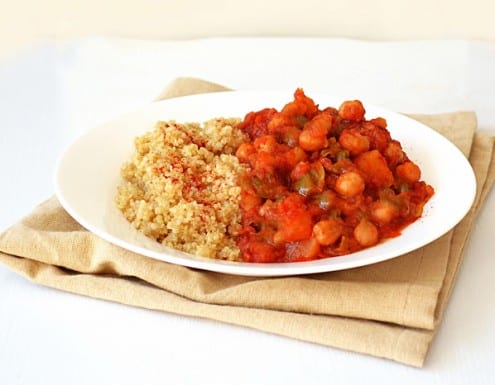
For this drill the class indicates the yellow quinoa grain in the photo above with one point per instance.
(180, 187)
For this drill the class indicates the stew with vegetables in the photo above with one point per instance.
(322, 182)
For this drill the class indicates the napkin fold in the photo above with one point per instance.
(390, 309)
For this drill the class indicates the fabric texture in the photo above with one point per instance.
(390, 309)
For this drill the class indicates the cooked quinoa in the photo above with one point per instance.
(180, 187)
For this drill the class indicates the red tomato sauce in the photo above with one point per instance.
(322, 182)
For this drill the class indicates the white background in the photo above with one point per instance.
(52, 93)
(25, 21)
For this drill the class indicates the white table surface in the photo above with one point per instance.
(52, 93)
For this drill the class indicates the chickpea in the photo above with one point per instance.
(278, 120)
(294, 108)
(265, 143)
(408, 171)
(383, 211)
(327, 232)
(354, 142)
(294, 156)
(310, 142)
(349, 184)
(244, 152)
(352, 110)
(366, 233)
(379, 122)
(320, 125)
(326, 199)
(393, 153)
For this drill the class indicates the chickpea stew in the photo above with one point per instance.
(322, 182)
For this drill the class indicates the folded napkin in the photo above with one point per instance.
(390, 309)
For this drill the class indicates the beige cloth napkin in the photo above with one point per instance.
(390, 309)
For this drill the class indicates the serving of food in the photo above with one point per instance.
(181, 187)
(297, 184)
(281, 186)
